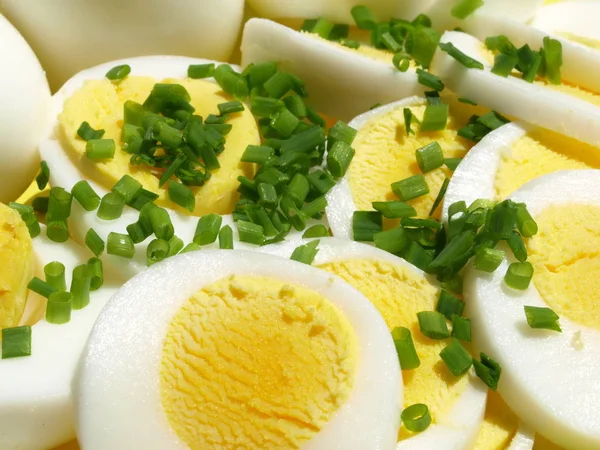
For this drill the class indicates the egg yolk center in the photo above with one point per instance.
(565, 255)
(253, 362)
(100, 103)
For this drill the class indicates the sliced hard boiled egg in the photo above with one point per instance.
(222, 349)
(548, 377)
(103, 32)
(573, 20)
(24, 102)
(385, 153)
(36, 399)
(399, 291)
(342, 82)
(553, 107)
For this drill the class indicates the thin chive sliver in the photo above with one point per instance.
(409, 117)
(465, 8)
(430, 157)
(44, 176)
(85, 195)
(461, 328)
(405, 348)
(339, 158)
(306, 253)
(94, 242)
(435, 117)
(433, 324)
(182, 195)
(226, 238)
(394, 209)
(518, 276)
(316, 231)
(86, 132)
(54, 273)
(410, 188)
(16, 342)
(553, 59)
(416, 418)
(429, 80)
(157, 250)
(207, 229)
(191, 247)
(97, 149)
(80, 286)
(488, 370)
(365, 224)
(250, 232)
(41, 287)
(120, 245)
(58, 308)
(198, 71)
(111, 206)
(542, 318)
(458, 55)
(118, 72)
(440, 197)
(449, 305)
(456, 357)
(488, 259)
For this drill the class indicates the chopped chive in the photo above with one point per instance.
(111, 206)
(452, 163)
(96, 273)
(322, 27)
(316, 231)
(461, 328)
(250, 232)
(295, 105)
(118, 72)
(390, 42)
(80, 286)
(306, 253)
(408, 119)
(267, 195)
(488, 371)
(502, 220)
(191, 247)
(449, 305)
(284, 122)
(41, 287)
(394, 209)
(410, 188)
(33, 226)
(488, 259)
(416, 418)
(457, 207)
(298, 189)
(58, 308)
(315, 207)
(265, 106)
(159, 220)
(461, 57)
(226, 238)
(128, 187)
(257, 154)
(517, 246)
(57, 230)
(525, 223)
(504, 64)
(339, 31)
(207, 229)
(401, 61)
(467, 101)
(433, 98)
(429, 80)
(454, 251)
(59, 204)
(529, 62)
(341, 131)
(321, 181)
(182, 195)
(394, 240)
(97, 149)
(418, 256)
(305, 141)
(430, 157)
(175, 245)
(433, 324)
(197, 71)
(350, 43)
(86, 132)
(158, 249)
(44, 176)
(16, 342)
(405, 348)
(456, 358)
(465, 8)
(94, 242)
(519, 274)
(435, 117)
(365, 224)
(542, 318)
(231, 107)
(492, 120)
(40, 204)
(138, 232)
(259, 73)
(120, 245)
(410, 222)
(553, 59)
(339, 158)
(294, 215)
(440, 197)
(279, 85)
(85, 195)
(363, 17)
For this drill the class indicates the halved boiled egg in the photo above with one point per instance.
(234, 349)
(546, 337)
(573, 20)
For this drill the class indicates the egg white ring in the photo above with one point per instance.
(340, 83)
(36, 397)
(523, 439)
(459, 428)
(544, 391)
(121, 369)
(578, 17)
(340, 203)
(512, 96)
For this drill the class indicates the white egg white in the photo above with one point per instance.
(577, 17)
(340, 82)
(546, 380)
(24, 100)
(512, 96)
(37, 409)
(458, 430)
(523, 439)
(119, 400)
(108, 30)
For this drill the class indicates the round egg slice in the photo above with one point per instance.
(231, 349)
(24, 103)
(103, 32)
(385, 153)
(572, 20)
(36, 399)
(548, 377)
(342, 82)
(569, 108)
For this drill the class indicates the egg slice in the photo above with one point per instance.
(572, 20)
(232, 349)
(385, 153)
(548, 377)
(104, 32)
(24, 102)
(511, 156)
(342, 82)
(566, 109)
(36, 399)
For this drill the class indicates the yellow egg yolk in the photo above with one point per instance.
(565, 255)
(499, 425)
(17, 265)
(541, 443)
(100, 103)
(538, 153)
(385, 154)
(253, 362)
(589, 42)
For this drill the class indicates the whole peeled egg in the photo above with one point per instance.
(71, 35)
(24, 101)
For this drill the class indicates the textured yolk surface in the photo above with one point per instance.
(399, 294)
(385, 154)
(100, 102)
(499, 425)
(254, 362)
(538, 153)
(566, 258)
(16, 266)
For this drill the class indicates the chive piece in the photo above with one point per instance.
(278, 85)
(158, 249)
(259, 73)
(231, 107)
(465, 8)
(265, 106)
(94, 242)
(57, 231)
(429, 80)
(440, 197)
(502, 220)
(182, 195)
(504, 64)
(267, 195)
(298, 189)
(59, 204)
(85, 195)
(363, 17)
(409, 222)
(16, 342)
(295, 105)
(207, 229)
(457, 207)
(433, 98)
(339, 31)
(80, 286)
(341, 131)
(421, 44)
(175, 245)
(58, 308)
(97, 149)
(284, 122)
(529, 62)
(456, 358)
(33, 226)
(433, 324)
(365, 224)
(40, 204)
(197, 71)
(128, 187)
(44, 176)
(467, 101)
(321, 181)
(430, 157)
(120, 245)
(542, 318)
(226, 238)
(488, 371)
(138, 232)
(111, 206)
(257, 154)
(452, 163)
(350, 43)
(418, 256)
(435, 117)
(41, 287)
(306, 253)
(339, 158)
(394, 240)
(394, 209)
(416, 418)
(461, 328)
(401, 61)
(118, 72)
(454, 251)
(410, 188)
(322, 27)
(295, 216)
(316, 231)
(516, 244)
(408, 119)
(488, 259)
(552, 59)
(191, 247)
(159, 221)
(96, 273)
(492, 120)
(525, 223)
(449, 305)
(305, 141)
(55, 275)
(461, 57)
(500, 44)
(250, 232)
(519, 274)
(390, 42)
(405, 348)
(86, 132)
(316, 207)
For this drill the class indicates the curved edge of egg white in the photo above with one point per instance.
(571, 17)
